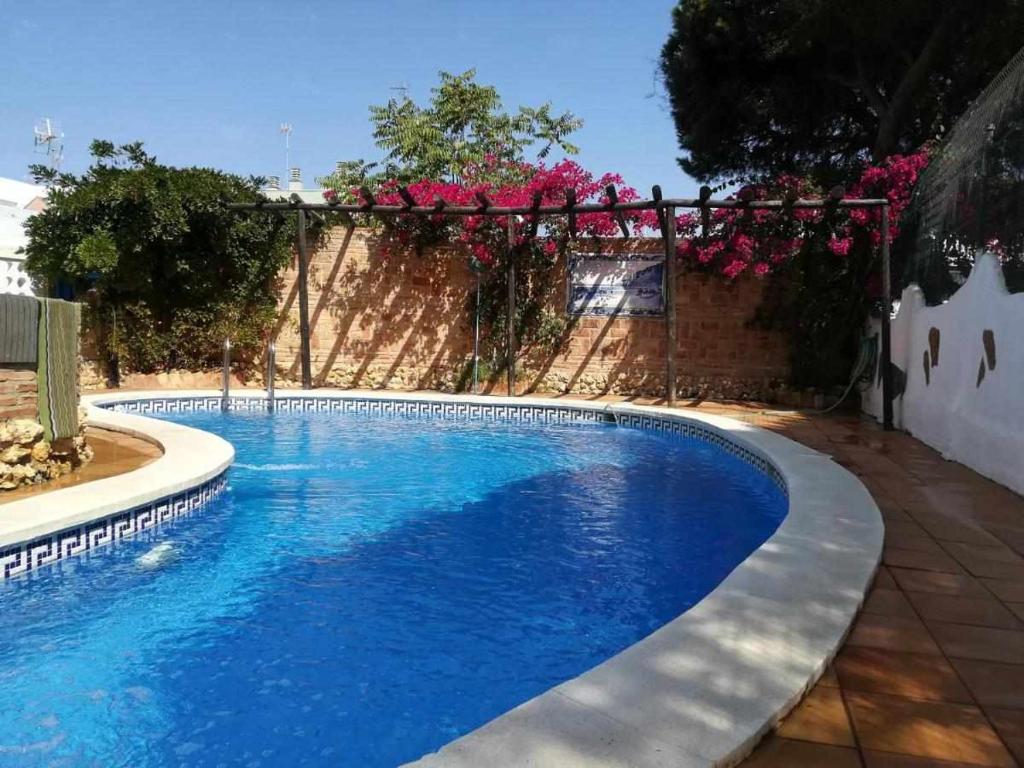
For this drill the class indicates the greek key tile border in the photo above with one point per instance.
(519, 413)
(544, 414)
(29, 556)
(697, 431)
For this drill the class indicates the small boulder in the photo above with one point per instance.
(40, 452)
(24, 431)
(14, 454)
(24, 473)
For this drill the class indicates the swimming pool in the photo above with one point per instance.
(368, 589)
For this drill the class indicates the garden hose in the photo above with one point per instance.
(865, 362)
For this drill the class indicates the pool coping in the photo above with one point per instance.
(191, 459)
(699, 691)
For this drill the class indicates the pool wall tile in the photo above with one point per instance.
(28, 556)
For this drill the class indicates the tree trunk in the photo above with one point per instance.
(891, 121)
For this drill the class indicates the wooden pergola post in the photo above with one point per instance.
(669, 236)
(307, 374)
(511, 272)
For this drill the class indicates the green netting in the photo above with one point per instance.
(972, 194)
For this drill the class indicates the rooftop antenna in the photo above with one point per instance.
(286, 129)
(402, 88)
(50, 140)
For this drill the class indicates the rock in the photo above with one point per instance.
(40, 452)
(24, 472)
(20, 432)
(14, 454)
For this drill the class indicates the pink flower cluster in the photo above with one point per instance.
(486, 237)
(734, 241)
(728, 241)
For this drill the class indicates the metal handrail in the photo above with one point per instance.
(271, 370)
(226, 377)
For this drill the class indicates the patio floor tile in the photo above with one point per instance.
(821, 718)
(889, 760)
(874, 759)
(914, 676)
(985, 643)
(939, 562)
(1006, 590)
(787, 753)
(1010, 725)
(964, 610)
(992, 683)
(926, 729)
(893, 633)
(884, 579)
(944, 583)
(888, 602)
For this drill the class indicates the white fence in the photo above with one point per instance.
(13, 278)
(964, 366)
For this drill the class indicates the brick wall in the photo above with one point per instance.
(18, 393)
(400, 322)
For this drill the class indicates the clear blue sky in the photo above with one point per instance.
(208, 82)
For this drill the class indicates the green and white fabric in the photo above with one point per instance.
(58, 367)
(19, 329)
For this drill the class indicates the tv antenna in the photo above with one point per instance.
(49, 141)
(286, 129)
(402, 88)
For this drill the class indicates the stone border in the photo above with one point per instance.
(704, 688)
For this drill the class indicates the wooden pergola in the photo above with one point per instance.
(666, 213)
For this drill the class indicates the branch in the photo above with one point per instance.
(903, 95)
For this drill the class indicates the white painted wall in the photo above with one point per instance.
(981, 426)
(14, 279)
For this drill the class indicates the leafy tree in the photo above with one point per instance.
(168, 273)
(462, 129)
(820, 86)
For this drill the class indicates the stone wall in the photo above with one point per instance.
(18, 391)
(400, 321)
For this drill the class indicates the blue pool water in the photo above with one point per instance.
(368, 589)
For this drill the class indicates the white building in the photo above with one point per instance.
(274, 191)
(18, 201)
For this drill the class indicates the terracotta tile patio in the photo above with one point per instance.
(932, 673)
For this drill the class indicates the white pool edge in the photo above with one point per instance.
(700, 691)
(190, 459)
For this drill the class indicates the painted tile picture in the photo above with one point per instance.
(601, 285)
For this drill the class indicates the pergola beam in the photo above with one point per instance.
(553, 210)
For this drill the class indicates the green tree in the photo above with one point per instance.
(168, 272)
(460, 130)
(821, 86)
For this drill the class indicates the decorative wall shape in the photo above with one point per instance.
(968, 407)
(14, 279)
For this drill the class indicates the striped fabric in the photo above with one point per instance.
(19, 325)
(58, 368)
